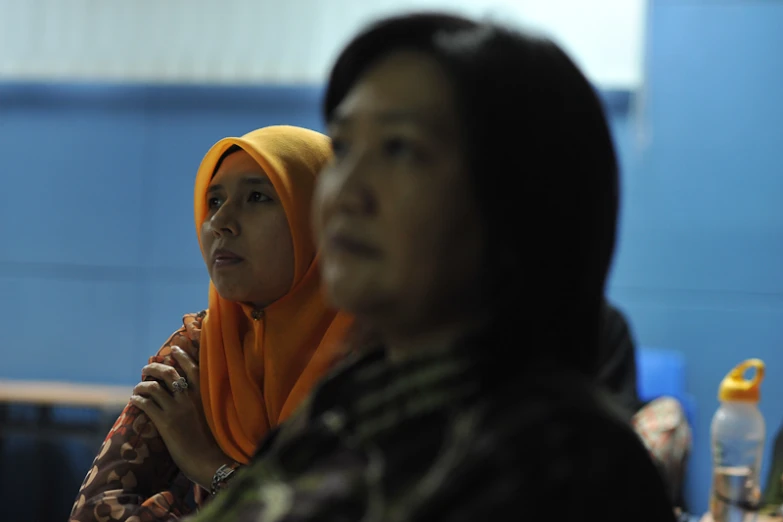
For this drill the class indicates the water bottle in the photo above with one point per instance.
(737, 446)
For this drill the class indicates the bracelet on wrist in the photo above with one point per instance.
(222, 476)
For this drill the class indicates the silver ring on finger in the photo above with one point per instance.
(179, 385)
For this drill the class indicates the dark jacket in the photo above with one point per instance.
(427, 441)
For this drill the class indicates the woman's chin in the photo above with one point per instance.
(356, 299)
(233, 293)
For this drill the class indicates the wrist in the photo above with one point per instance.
(210, 468)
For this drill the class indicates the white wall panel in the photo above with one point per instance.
(273, 41)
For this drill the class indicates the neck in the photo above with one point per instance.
(254, 310)
(403, 345)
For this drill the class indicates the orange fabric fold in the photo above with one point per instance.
(255, 372)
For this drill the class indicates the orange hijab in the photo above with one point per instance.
(255, 372)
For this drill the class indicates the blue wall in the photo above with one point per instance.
(98, 257)
(700, 263)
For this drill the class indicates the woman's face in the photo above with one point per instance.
(394, 214)
(245, 237)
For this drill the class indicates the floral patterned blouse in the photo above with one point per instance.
(133, 478)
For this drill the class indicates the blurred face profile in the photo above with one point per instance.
(394, 213)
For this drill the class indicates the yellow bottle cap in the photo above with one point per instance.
(735, 387)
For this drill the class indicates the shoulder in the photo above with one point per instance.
(557, 450)
(564, 415)
(187, 337)
(589, 446)
(192, 325)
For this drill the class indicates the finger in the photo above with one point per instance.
(148, 406)
(188, 365)
(155, 391)
(161, 372)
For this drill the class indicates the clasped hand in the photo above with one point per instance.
(172, 401)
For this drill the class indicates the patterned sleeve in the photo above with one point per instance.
(133, 478)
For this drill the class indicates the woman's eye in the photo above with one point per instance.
(339, 148)
(213, 203)
(259, 197)
(398, 147)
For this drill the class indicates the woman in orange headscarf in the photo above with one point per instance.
(238, 369)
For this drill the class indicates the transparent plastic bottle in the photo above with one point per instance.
(737, 446)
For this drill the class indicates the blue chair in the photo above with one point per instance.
(661, 373)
